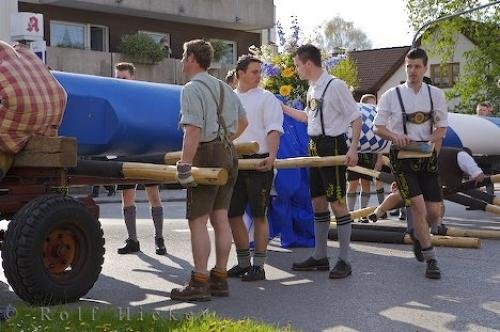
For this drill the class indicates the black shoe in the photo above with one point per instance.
(373, 217)
(432, 271)
(341, 270)
(442, 229)
(131, 246)
(256, 273)
(237, 271)
(312, 264)
(417, 248)
(394, 213)
(402, 215)
(160, 246)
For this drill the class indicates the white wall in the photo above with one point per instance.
(398, 76)
(7, 8)
(462, 45)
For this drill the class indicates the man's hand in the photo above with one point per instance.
(266, 164)
(286, 109)
(184, 175)
(479, 178)
(400, 140)
(351, 157)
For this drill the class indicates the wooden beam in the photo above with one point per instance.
(42, 151)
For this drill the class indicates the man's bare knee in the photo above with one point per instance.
(320, 204)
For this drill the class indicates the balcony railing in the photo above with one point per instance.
(102, 64)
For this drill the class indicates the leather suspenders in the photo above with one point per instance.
(222, 131)
(406, 116)
(320, 107)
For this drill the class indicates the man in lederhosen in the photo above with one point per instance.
(330, 110)
(416, 111)
(211, 117)
(265, 126)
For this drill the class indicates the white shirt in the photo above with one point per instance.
(468, 165)
(389, 111)
(339, 107)
(264, 115)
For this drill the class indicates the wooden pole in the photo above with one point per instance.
(475, 203)
(479, 233)
(471, 184)
(450, 231)
(450, 241)
(251, 164)
(390, 236)
(167, 173)
(492, 208)
(382, 176)
(245, 148)
(361, 213)
(386, 161)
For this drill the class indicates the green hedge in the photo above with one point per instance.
(141, 48)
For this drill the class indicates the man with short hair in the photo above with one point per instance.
(126, 71)
(368, 99)
(265, 125)
(411, 112)
(330, 110)
(211, 117)
(484, 109)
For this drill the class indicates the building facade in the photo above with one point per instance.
(87, 31)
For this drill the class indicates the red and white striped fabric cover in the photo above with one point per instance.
(32, 101)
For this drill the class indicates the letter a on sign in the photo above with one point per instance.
(33, 24)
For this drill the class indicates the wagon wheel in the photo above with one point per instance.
(53, 250)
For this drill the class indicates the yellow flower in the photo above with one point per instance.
(287, 72)
(285, 90)
(276, 59)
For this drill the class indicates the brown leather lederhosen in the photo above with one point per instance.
(420, 168)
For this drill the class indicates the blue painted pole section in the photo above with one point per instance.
(110, 116)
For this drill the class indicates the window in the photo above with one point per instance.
(445, 76)
(161, 38)
(98, 38)
(224, 51)
(157, 36)
(77, 35)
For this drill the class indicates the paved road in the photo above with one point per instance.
(387, 291)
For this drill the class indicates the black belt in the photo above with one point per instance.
(418, 117)
(255, 156)
(215, 140)
(323, 137)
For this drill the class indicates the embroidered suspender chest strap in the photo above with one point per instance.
(222, 131)
(417, 117)
(321, 106)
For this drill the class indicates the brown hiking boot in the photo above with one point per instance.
(197, 289)
(218, 283)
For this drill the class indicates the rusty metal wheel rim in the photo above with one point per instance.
(59, 250)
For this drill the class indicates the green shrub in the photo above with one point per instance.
(219, 48)
(141, 48)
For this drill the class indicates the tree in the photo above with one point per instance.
(478, 81)
(337, 34)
